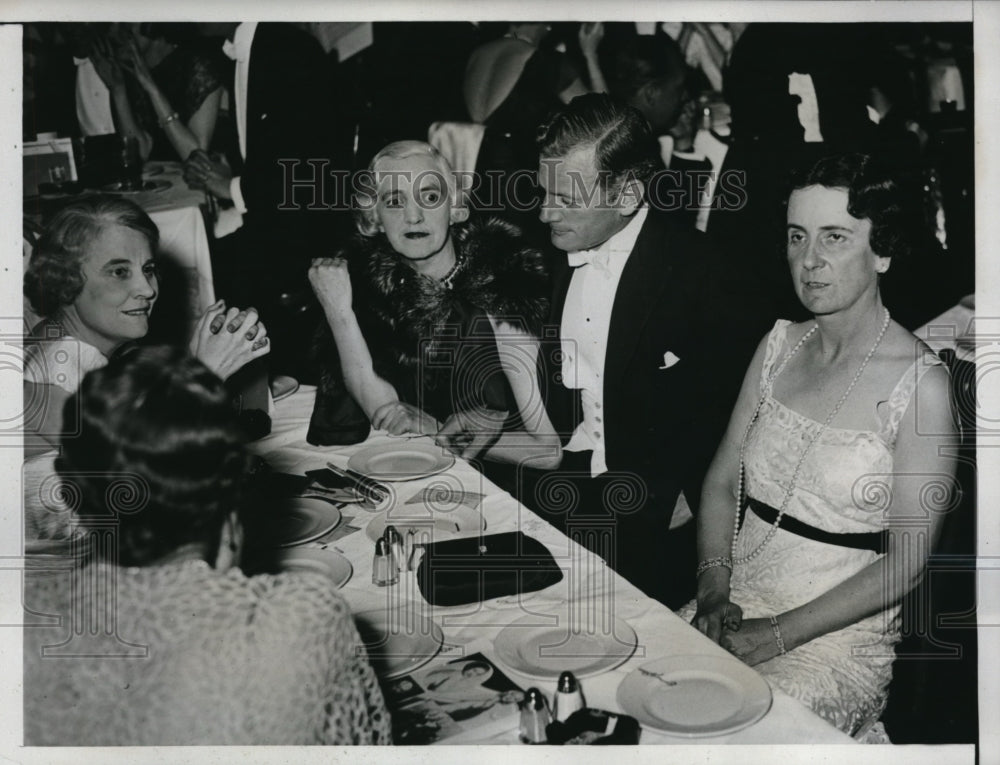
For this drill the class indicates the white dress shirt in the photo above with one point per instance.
(93, 100)
(239, 51)
(586, 319)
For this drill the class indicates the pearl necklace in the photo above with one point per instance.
(448, 279)
(802, 458)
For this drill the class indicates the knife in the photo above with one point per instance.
(363, 484)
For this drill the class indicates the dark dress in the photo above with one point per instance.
(186, 79)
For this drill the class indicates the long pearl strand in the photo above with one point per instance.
(802, 458)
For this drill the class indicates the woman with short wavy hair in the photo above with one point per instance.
(93, 279)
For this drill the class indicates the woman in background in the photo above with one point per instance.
(163, 91)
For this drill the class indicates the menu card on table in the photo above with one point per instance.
(444, 700)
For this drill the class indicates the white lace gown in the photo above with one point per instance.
(843, 486)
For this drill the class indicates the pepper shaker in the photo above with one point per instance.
(384, 571)
(568, 698)
(534, 717)
(395, 542)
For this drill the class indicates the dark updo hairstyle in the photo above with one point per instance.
(158, 454)
(872, 193)
(54, 277)
(624, 145)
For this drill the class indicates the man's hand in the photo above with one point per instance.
(201, 171)
(398, 418)
(471, 432)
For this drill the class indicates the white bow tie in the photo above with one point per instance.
(597, 258)
(229, 48)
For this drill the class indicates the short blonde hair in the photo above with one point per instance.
(366, 190)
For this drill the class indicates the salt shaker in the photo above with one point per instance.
(534, 717)
(568, 698)
(395, 542)
(384, 571)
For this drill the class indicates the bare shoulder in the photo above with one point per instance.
(931, 400)
(795, 331)
(904, 350)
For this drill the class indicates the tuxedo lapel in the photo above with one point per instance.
(257, 68)
(562, 403)
(561, 277)
(643, 284)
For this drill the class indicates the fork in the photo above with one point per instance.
(409, 436)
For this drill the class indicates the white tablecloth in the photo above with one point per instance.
(588, 582)
(176, 211)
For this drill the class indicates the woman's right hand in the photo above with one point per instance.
(106, 63)
(135, 64)
(716, 614)
(227, 340)
(590, 35)
(331, 281)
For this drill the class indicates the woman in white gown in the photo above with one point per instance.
(834, 450)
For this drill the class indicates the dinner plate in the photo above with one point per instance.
(695, 695)
(327, 562)
(405, 461)
(460, 520)
(398, 641)
(547, 651)
(301, 520)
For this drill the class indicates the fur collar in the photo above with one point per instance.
(500, 274)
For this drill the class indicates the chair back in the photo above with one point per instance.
(458, 143)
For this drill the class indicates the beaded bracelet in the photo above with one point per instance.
(777, 636)
(168, 119)
(705, 565)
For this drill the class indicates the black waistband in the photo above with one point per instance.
(876, 541)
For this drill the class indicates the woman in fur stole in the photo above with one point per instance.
(434, 320)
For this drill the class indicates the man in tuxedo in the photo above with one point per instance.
(284, 189)
(642, 373)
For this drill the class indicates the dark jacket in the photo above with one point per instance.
(290, 121)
